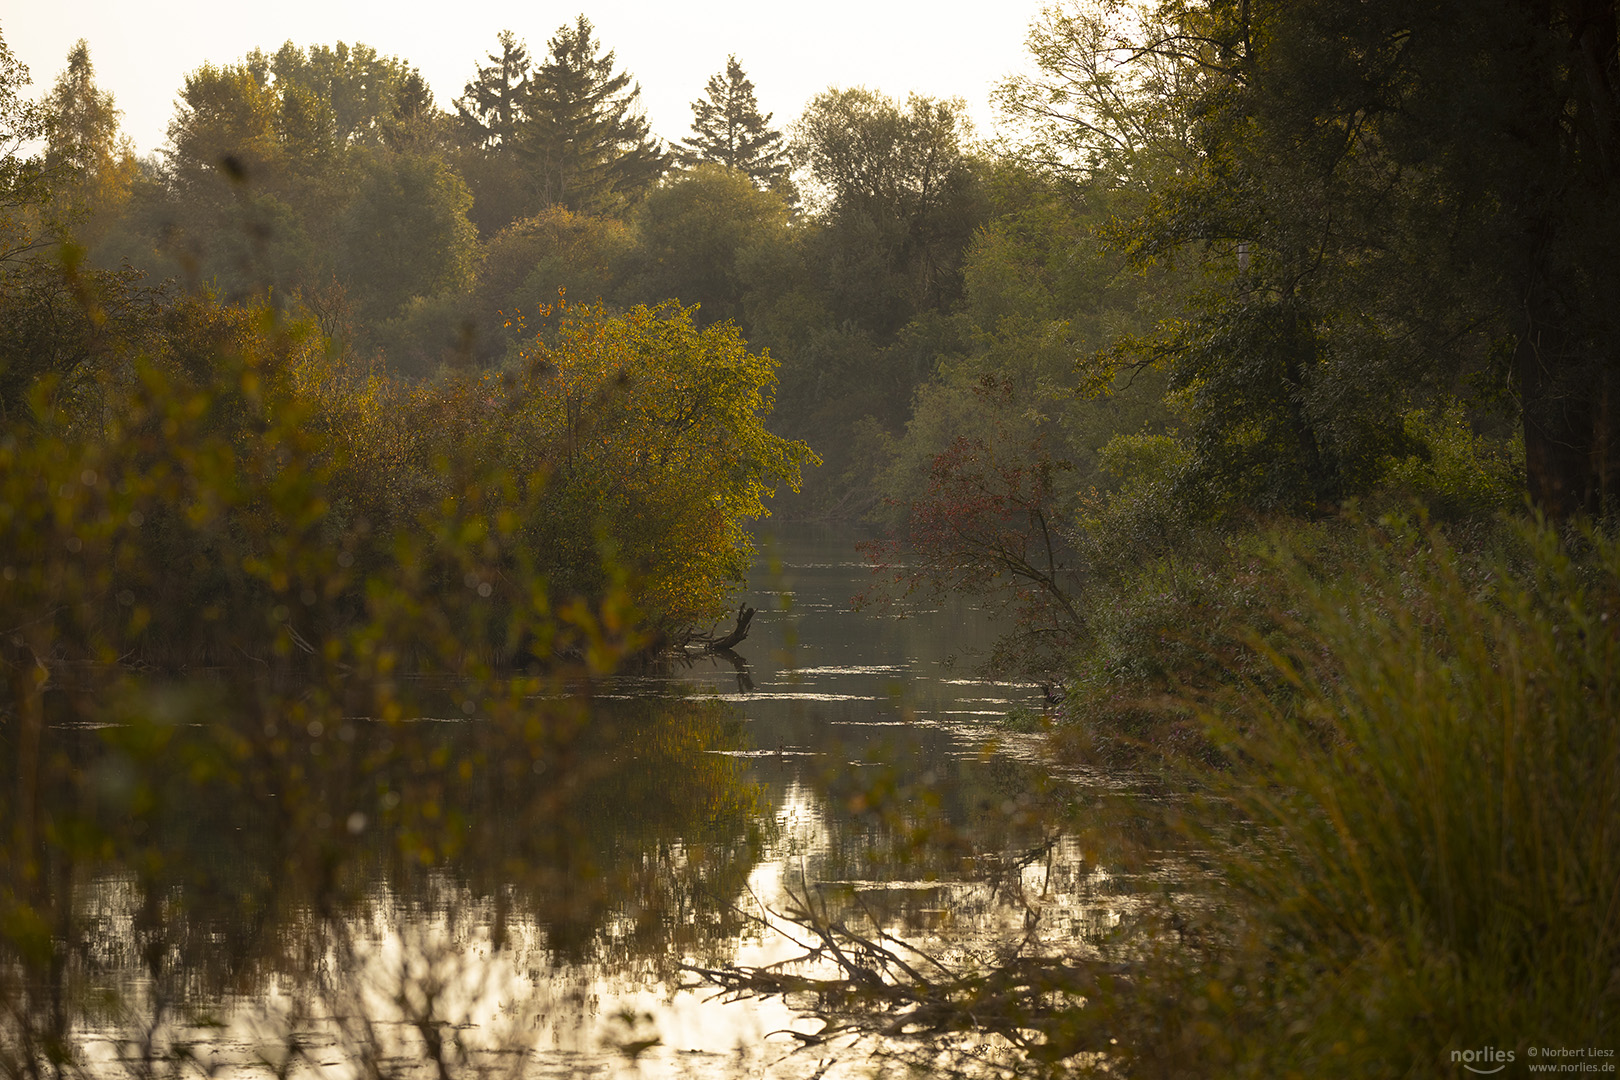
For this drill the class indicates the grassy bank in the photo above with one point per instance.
(1422, 745)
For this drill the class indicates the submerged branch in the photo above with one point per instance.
(1036, 1003)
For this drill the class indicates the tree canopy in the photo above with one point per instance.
(1391, 201)
(899, 188)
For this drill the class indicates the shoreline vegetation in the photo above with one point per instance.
(1263, 375)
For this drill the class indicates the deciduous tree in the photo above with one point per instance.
(405, 234)
(1389, 200)
(700, 234)
(22, 173)
(898, 190)
(652, 431)
(92, 166)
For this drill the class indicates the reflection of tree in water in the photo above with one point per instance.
(224, 853)
(951, 909)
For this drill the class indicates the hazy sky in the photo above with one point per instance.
(142, 51)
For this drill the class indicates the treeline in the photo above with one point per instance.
(1140, 256)
(218, 469)
(324, 180)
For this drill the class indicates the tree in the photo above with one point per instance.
(84, 132)
(491, 107)
(698, 233)
(529, 263)
(228, 127)
(22, 173)
(368, 99)
(275, 162)
(91, 165)
(588, 145)
(899, 192)
(1103, 109)
(988, 521)
(406, 234)
(652, 432)
(253, 181)
(727, 129)
(1390, 200)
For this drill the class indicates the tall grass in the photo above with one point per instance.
(1435, 864)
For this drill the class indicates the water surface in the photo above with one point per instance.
(526, 887)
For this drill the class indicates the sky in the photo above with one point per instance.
(945, 48)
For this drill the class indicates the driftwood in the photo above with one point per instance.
(745, 616)
(710, 644)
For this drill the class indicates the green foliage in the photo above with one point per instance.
(901, 198)
(359, 96)
(528, 264)
(287, 173)
(651, 431)
(22, 173)
(492, 105)
(566, 132)
(586, 144)
(405, 234)
(92, 168)
(1100, 107)
(699, 235)
(1434, 796)
(728, 130)
(1378, 199)
(1458, 472)
(233, 444)
(523, 270)
(1039, 292)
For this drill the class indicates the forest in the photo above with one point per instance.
(1259, 372)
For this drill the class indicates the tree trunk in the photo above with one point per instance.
(1568, 350)
(745, 616)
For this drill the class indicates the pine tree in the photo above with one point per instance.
(729, 130)
(587, 143)
(490, 108)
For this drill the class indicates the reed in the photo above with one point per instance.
(1435, 793)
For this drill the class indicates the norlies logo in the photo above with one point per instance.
(1484, 1061)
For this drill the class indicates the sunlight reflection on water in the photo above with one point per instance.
(857, 728)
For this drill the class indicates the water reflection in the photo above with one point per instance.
(227, 872)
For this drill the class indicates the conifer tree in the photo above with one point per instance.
(727, 129)
(490, 108)
(588, 145)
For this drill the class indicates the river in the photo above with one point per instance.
(524, 896)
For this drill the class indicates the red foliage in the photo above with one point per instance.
(988, 526)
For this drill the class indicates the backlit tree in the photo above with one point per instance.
(587, 143)
(727, 129)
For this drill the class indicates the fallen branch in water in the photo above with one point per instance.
(711, 644)
(885, 987)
